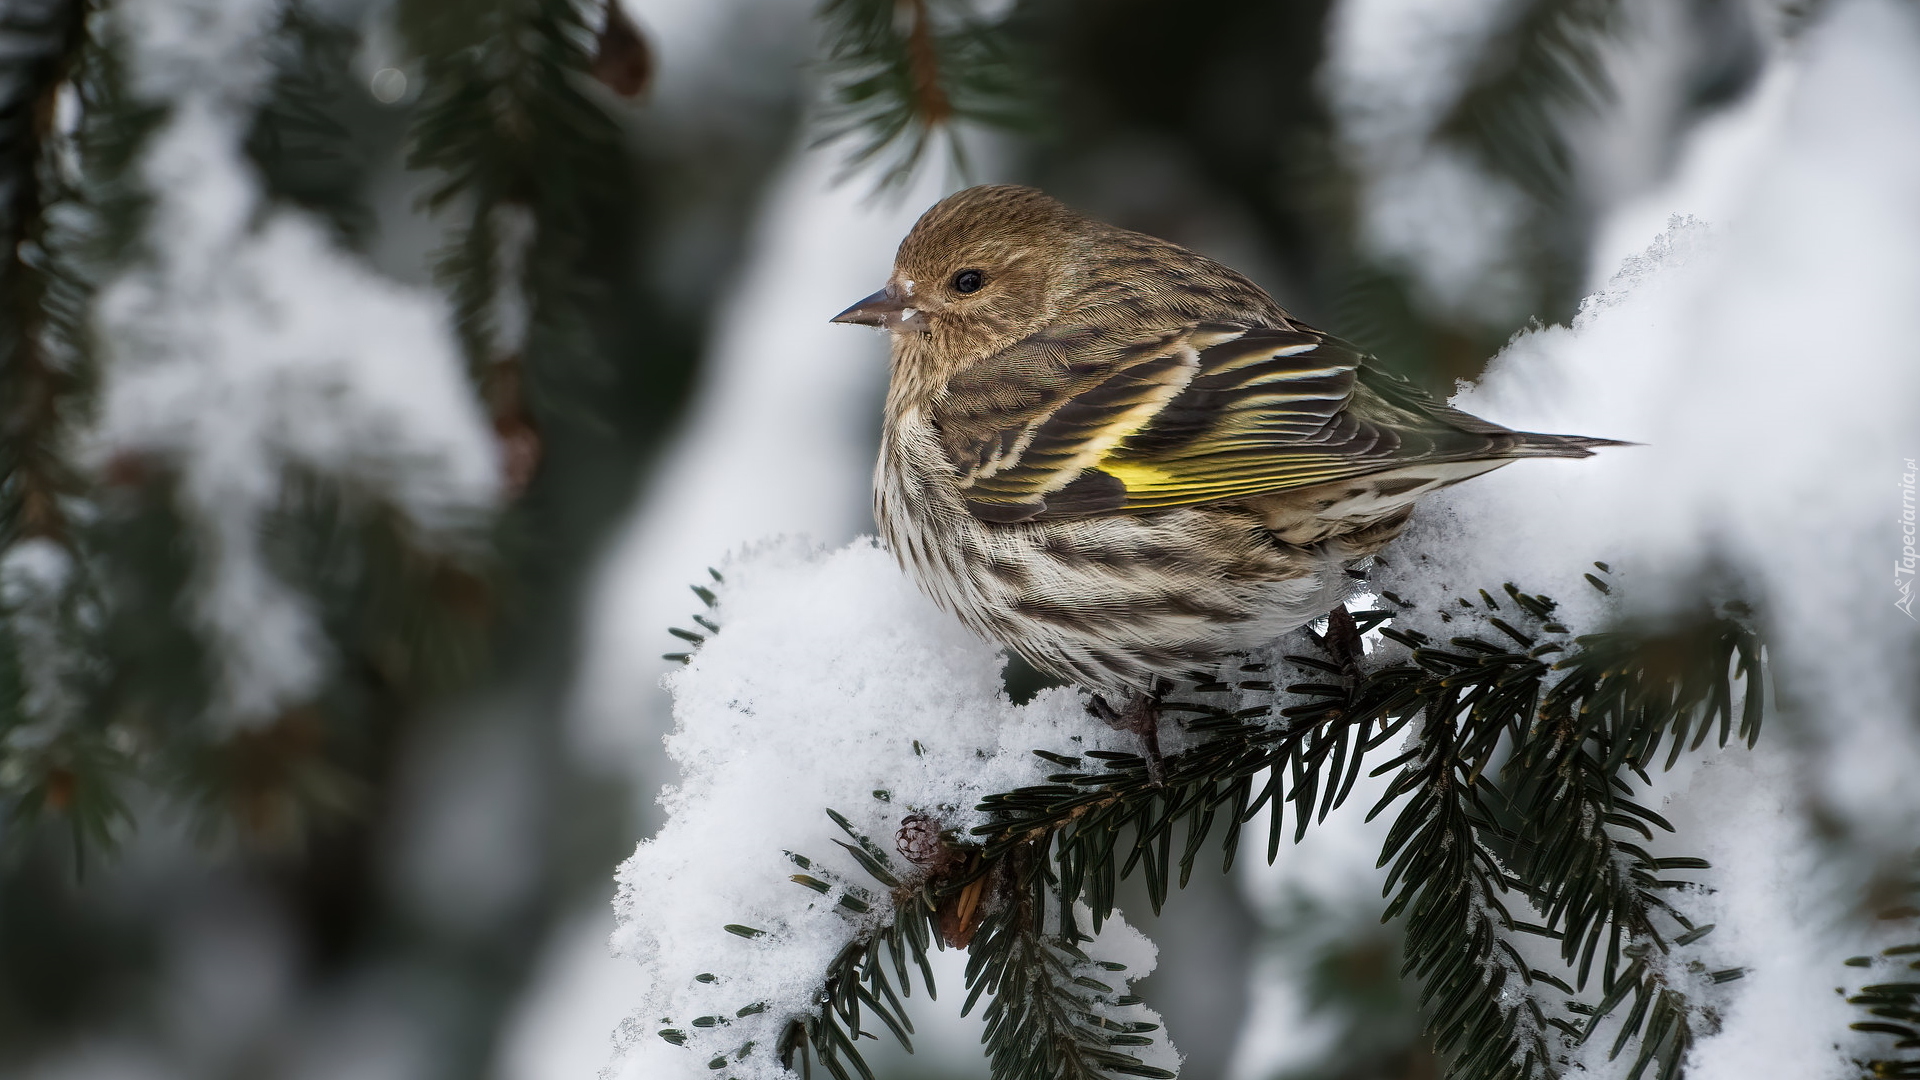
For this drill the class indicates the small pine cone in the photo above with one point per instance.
(960, 911)
(919, 840)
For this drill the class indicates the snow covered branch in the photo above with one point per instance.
(820, 679)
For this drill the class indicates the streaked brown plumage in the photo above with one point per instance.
(1123, 460)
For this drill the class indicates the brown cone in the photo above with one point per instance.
(622, 60)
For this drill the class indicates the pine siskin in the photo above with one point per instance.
(1123, 460)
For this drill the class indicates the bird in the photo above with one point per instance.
(1124, 461)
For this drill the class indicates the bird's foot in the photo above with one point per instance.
(1140, 714)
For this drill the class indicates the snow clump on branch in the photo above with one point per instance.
(244, 346)
(831, 684)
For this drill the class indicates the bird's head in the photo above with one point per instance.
(982, 269)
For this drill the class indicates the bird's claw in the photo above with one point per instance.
(1140, 715)
(1342, 639)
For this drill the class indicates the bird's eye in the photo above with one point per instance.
(967, 281)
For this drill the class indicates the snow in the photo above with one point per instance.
(1317, 894)
(246, 344)
(833, 683)
(1779, 905)
(510, 314)
(35, 575)
(1393, 68)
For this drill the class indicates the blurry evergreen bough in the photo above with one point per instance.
(103, 690)
(52, 759)
(1516, 818)
(900, 72)
(533, 164)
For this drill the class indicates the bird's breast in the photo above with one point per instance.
(917, 507)
(1104, 601)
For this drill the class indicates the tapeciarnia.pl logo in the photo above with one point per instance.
(1903, 568)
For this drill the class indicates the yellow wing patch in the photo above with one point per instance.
(1207, 414)
(1124, 422)
(1140, 477)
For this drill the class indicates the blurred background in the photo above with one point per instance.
(378, 376)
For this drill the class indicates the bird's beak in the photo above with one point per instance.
(885, 309)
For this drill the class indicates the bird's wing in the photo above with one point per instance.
(1060, 427)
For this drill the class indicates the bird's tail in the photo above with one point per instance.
(1536, 444)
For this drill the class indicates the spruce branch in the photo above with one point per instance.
(900, 73)
(1895, 1007)
(1513, 796)
(1612, 700)
(55, 757)
(1478, 701)
(1619, 699)
(1450, 885)
(868, 978)
(306, 155)
(36, 387)
(1049, 1012)
(533, 164)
